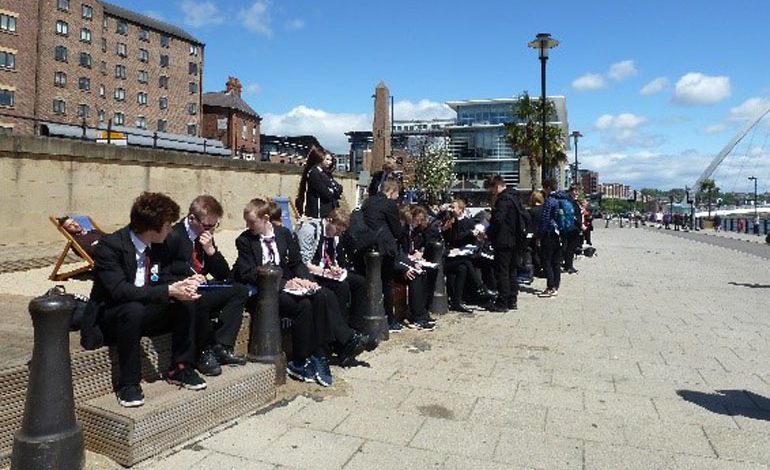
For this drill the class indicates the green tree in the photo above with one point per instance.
(433, 169)
(525, 134)
(709, 187)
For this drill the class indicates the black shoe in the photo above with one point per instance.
(424, 325)
(357, 343)
(130, 396)
(496, 307)
(512, 305)
(208, 364)
(226, 357)
(185, 377)
(572, 271)
(460, 307)
(485, 294)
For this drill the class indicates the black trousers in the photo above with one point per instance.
(570, 243)
(387, 273)
(226, 305)
(126, 323)
(506, 272)
(303, 332)
(550, 256)
(418, 296)
(351, 296)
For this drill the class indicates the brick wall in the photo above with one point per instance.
(232, 137)
(23, 42)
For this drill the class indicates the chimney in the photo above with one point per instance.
(233, 86)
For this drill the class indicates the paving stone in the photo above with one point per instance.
(740, 444)
(375, 455)
(454, 462)
(486, 387)
(435, 404)
(507, 414)
(217, 461)
(324, 416)
(705, 463)
(602, 455)
(669, 437)
(460, 438)
(387, 395)
(381, 425)
(620, 405)
(311, 449)
(539, 450)
(683, 411)
(584, 425)
(550, 396)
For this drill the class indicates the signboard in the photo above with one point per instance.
(222, 124)
(112, 135)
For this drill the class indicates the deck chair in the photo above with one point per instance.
(87, 223)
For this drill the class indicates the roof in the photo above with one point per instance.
(134, 17)
(227, 100)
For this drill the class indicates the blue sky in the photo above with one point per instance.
(656, 87)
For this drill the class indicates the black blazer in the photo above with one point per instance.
(507, 227)
(321, 194)
(378, 212)
(114, 273)
(460, 233)
(176, 255)
(250, 257)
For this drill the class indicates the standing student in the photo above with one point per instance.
(549, 242)
(507, 231)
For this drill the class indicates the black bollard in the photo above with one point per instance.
(265, 338)
(438, 304)
(374, 321)
(49, 437)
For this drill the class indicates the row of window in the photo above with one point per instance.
(119, 118)
(84, 84)
(61, 54)
(60, 78)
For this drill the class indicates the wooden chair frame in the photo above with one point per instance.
(75, 247)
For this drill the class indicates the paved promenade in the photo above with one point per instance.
(654, 356)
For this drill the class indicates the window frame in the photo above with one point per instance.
(141, 98)
(88, 60)
(60, 57)
(9, 93)
(119, 94)
(59, 107)
(62, 28)
(59, 79)
(4, 63)
(86, 12)
(82, 81)
(120, 71)
(10, 22)
(88, 35)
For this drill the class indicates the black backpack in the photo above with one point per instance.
(360, 238)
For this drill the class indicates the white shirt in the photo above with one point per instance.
(141, 259)
(266, 249)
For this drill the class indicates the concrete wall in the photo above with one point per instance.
(43, 176)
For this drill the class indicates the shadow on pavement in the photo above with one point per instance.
(753, 286)
(730, 402)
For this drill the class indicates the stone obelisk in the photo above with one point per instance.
(380, 128)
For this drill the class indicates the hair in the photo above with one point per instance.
(62, 219)
(420, 216)
(151, 211)
(460, 203)
(204, 205)
(389, 164)
(259, 207)
(314, 158)
(276, 213)
(550, 184)
(390, 184)
(404, 214)
(536, 198)
(495, 181)
(574, 187)
(339, 219)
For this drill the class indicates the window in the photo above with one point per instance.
(144, 34)
(193, 88)
(193, 49)
(103, 68)
(84, 83)
(85, 35)
(192, 108)
(192, 68)
(6, 98)
(144, 55)
(59, 107)
(121, 27)
(104, 44)
(83, 111)
(7, 60)
(141, 97)
(59, 79)
(143, 76)
(141, 122)
(7, 23)
(254, 134)
(163, 60)
(100, 115)
(192, 129)
(101, 91)
(163, 102)
(119, 119)
(63, 5)
(243, 132)
(122, 50)
(105, 23)
(163, 82)
(120, 71)
(120, 94)
(87, 12)
(162, 124)
(60, 53)
(62, 28)
(85, 59)
(165, 40)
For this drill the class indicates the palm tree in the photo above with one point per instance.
(709, 187)
(525, 133)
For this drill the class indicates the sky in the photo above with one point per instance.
(657, 88)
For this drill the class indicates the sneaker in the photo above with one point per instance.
(323, 374)
(185, 377)
(424, 325)
(572, 271)
(358, 343)
(546, 293)
(130, 396)
(554, 292)
(226, 357)
(208, 364)
(395, 327)
(302, 372)
(496, 307)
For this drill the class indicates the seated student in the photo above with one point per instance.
(129, 301)
(87, 239)
(190, 248)
(420, 279)
(325, 261)
(315, 313)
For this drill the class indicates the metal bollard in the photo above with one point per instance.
(438, 304)
(265, 338)
(49, 437)
(374, 321)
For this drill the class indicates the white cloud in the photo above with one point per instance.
(714, 128)
(623, 131)
(749, 109)
(328, 128)
(655, 86)
(621, 121)
(154, 14)
(423, 109)
(695, 89)
(642, 169)
(620, 70)
(256, 18)
(253, 89)
(295, 25)
(589, 81)
(197, 14)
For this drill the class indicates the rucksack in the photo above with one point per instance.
(360, 238)
(589, 251)
(566, 219)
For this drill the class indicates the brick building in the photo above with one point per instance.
(615, 191)
(589, 181)
(226, 117)
(86, 60)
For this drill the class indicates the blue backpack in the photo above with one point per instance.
(566, 219)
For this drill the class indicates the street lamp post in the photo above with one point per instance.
(756, 218)
(543, 42)
(576, 135)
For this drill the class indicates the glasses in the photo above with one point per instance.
(205, 226)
